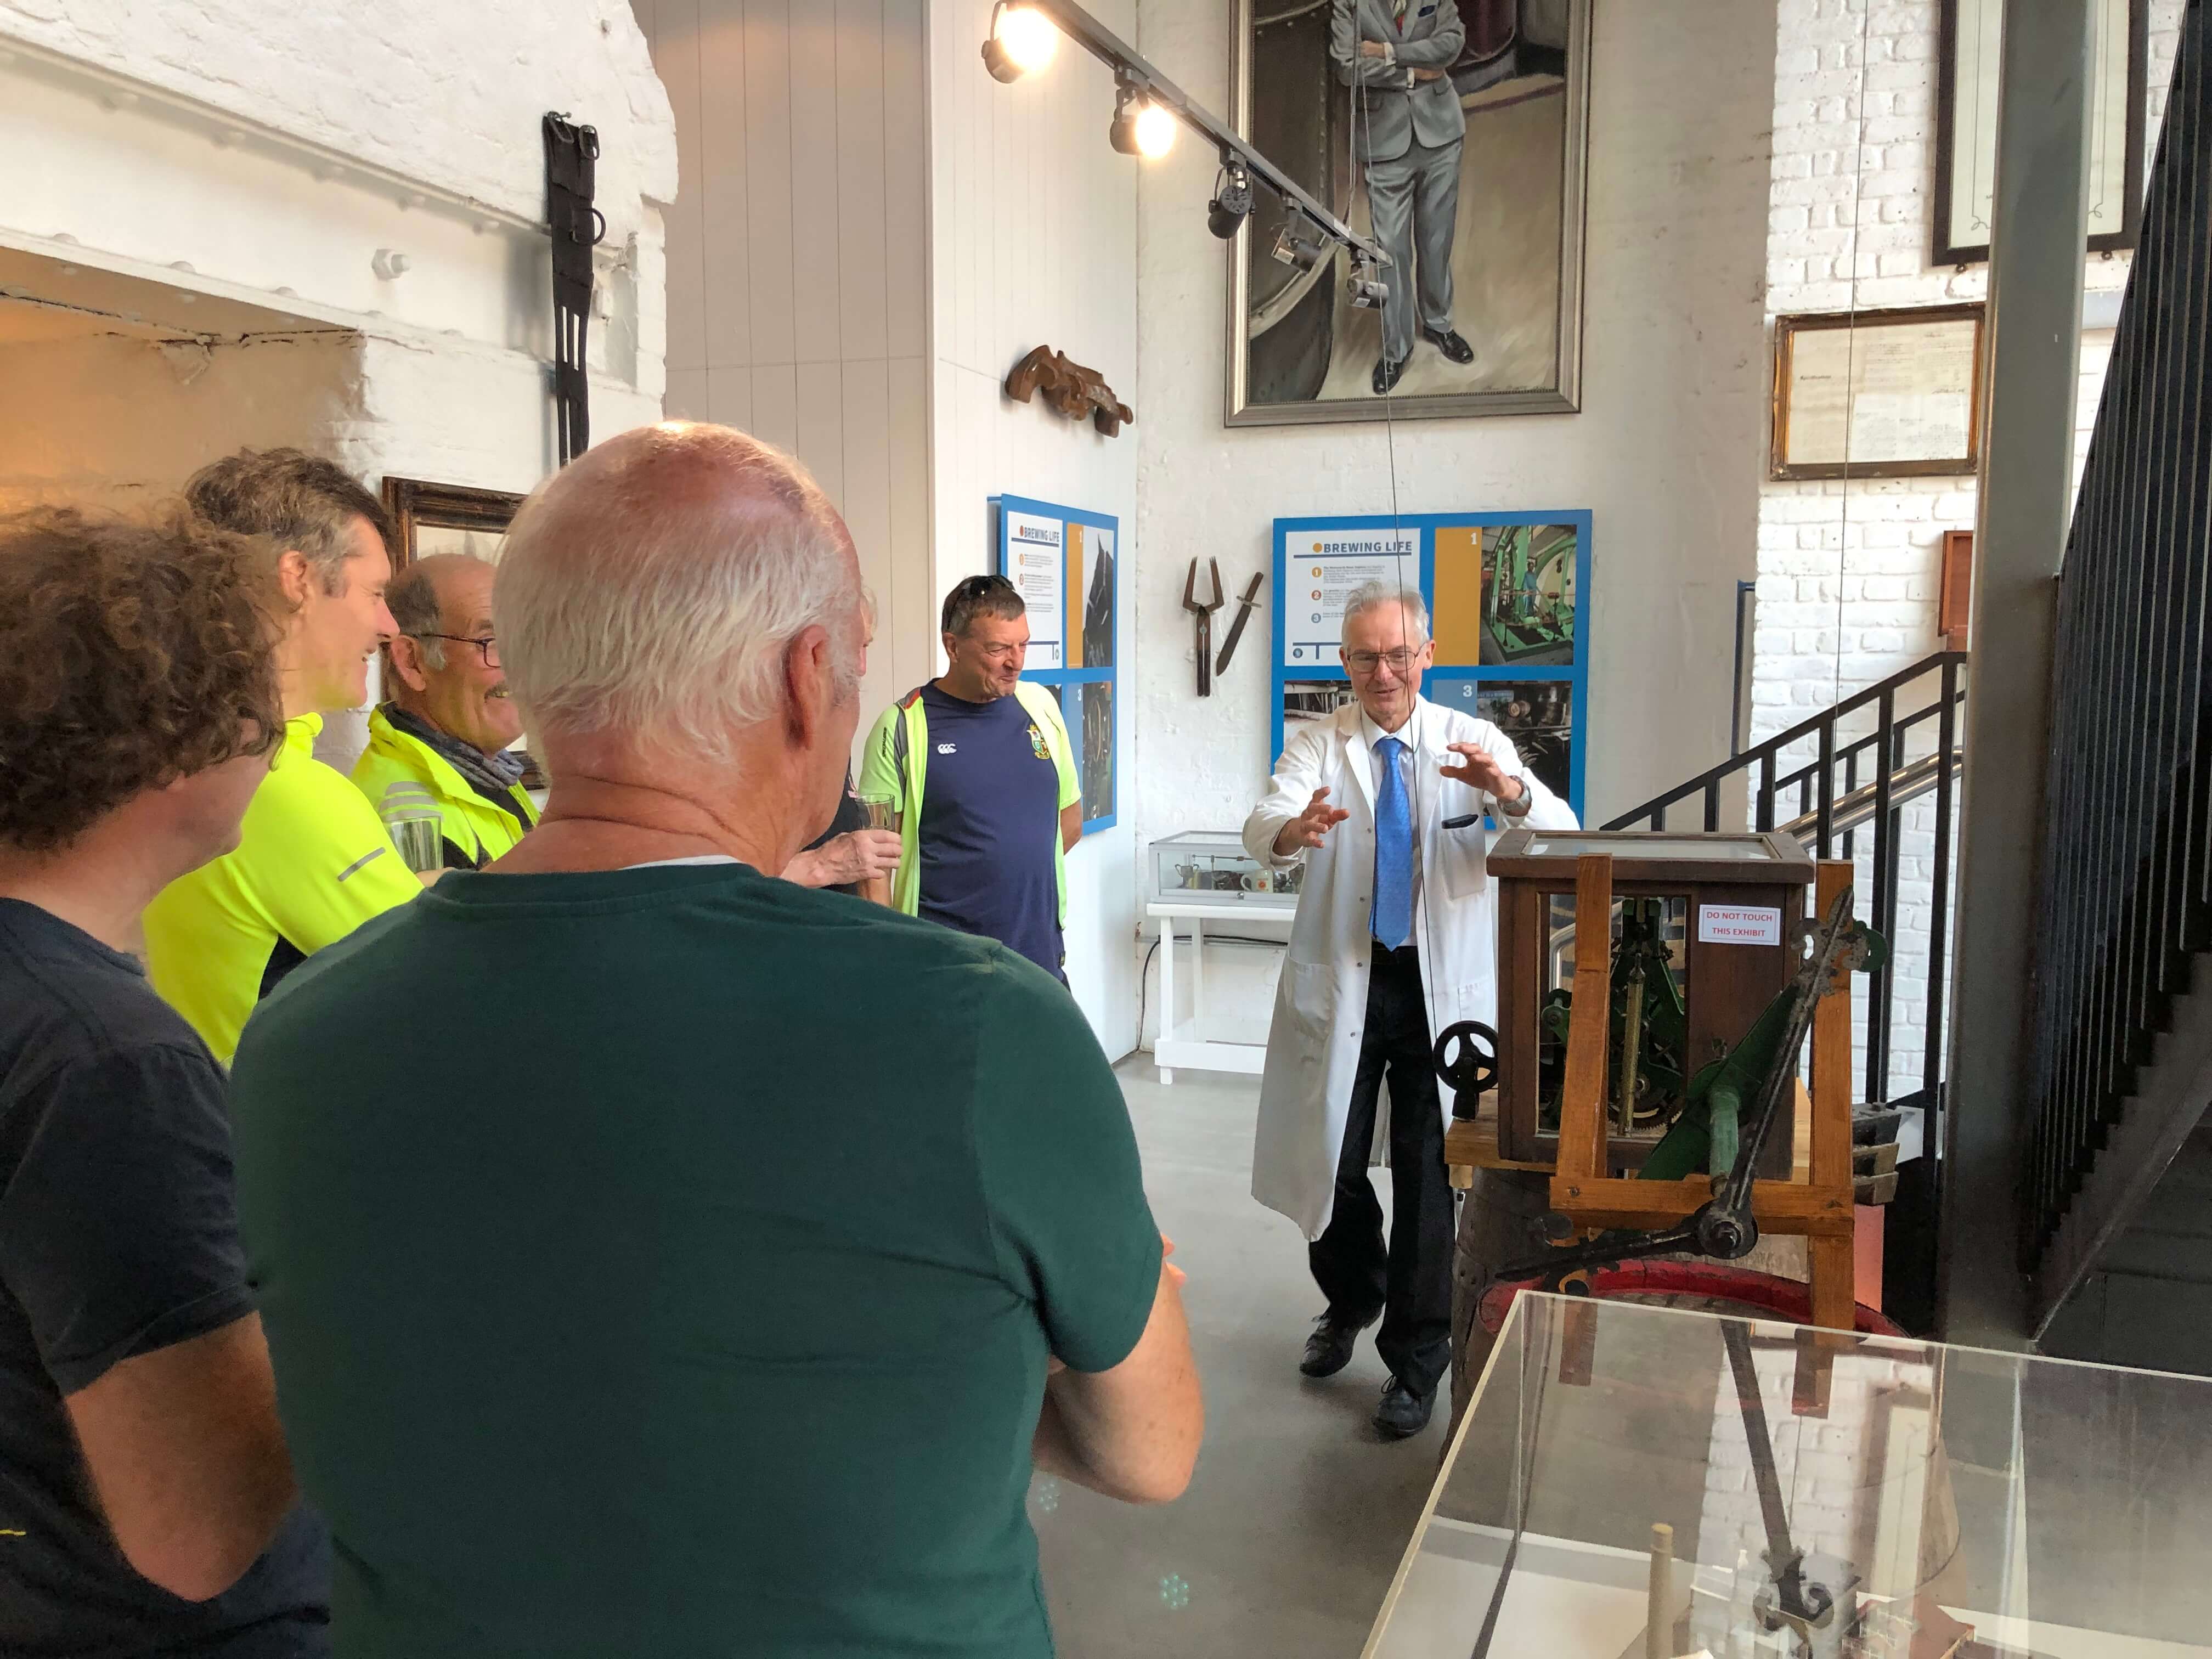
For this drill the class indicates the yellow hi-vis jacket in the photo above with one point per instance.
(897, 764)
(475, 831)
(313, 863)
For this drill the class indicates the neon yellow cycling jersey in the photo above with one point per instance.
(313, 863)
(476, 830)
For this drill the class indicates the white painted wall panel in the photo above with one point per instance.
(806, 171)
(768, 170)
(717, 191)
(862, 186)
(1034, 233)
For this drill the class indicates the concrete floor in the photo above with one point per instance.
(1286, 1541)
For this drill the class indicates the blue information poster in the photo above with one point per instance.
(1505, 591)
(1062, 561)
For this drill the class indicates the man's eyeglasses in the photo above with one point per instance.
(1366, 662)
(487, 645)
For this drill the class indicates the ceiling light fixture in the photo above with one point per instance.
(1232, 200)
(1299, 253)
(1156, 132)
(1148, 107)
(1022, 41)
(1140, 127)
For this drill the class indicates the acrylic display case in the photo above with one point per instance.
(1210, 866)
(1644, 1482)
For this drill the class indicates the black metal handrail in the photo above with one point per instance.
(1833, 804)
(2125, 894)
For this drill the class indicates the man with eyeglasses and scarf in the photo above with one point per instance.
(981, 767)
(447, 720)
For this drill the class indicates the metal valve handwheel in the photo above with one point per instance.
(1471, 1067)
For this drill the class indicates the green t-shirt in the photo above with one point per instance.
(666, 1260)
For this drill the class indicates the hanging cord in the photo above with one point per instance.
(1851, 347)
(1362, 124)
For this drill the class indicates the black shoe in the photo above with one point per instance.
(1448, 342)
(1402, 1412)
(1329, 1350)
(1388, 372)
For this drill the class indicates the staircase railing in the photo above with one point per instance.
(2120, 1064)
(1909, 747)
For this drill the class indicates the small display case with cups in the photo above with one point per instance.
(1210, 866)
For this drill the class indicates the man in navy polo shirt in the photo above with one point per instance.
(980, 763)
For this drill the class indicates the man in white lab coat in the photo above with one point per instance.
(1396, 937)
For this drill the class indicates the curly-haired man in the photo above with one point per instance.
(314, 862)
(146, 1498)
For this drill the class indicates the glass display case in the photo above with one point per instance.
(1649, 1482)
(1210, 866)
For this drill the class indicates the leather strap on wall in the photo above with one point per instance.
(571, 152)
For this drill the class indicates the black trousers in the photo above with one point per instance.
(1410, 1279)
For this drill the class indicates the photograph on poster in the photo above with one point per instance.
(1528, 595)
(1093, 738)
(1092, 556)
(1538, 715)
(1307, 701)
(1454, 136)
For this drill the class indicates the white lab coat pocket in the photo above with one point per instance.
(1461, 869)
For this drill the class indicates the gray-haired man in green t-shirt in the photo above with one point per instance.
(718, 1313)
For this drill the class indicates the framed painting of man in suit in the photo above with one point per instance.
(1454, 133)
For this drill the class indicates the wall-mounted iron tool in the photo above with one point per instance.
(1205, 615)
(1237, 627)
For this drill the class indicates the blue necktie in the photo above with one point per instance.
(1394, 851)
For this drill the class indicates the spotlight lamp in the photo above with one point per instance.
(1141, 127)
(1231, 203)
(1156, 132)
(1149, 108)
(1295, 251)
(1022, 41)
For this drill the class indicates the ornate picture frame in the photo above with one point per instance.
(1297, 352)
(1891, 394)
(459, 518)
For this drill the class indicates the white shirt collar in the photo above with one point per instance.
(1409, 734)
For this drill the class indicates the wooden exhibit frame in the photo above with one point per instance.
(416, 501)
(1946, 252)
(1725, 986)
(1819, 1209)
(1867, 322)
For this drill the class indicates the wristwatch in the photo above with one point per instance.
(1519, 806)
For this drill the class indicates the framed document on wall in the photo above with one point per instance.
(1878, 394)
(1967, 55)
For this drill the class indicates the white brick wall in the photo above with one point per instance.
(1848, 570)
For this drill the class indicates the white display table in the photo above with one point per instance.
(1187, 1044)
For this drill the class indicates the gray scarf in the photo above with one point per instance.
(492, 775)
